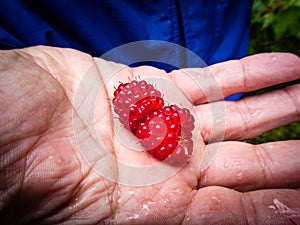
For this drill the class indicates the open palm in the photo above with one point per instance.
(49, 171)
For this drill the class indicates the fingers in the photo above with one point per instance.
(29, 99)
(248, 74)
(256, 72)
(250, 116)
(254, 116)
(218, 205)
(250, 167)
(67, 66)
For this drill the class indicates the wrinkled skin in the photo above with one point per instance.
(44, 178)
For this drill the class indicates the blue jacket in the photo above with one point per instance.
(215, 30)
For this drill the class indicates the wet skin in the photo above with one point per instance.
(45, 179)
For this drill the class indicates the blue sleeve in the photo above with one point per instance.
(215, 30)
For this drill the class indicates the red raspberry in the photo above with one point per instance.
(140, 110)
(163, 133)
(166, 130)
(128, 94)
(162, 130)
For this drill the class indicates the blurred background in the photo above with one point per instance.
(275, 27)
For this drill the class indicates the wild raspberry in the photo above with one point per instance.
(140, 110)
(163, 130)
(167, 130)
(128, 94)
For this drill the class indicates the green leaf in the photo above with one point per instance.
(268, 19)
(275, 26)
(288, 19)
(279, 28)
(289, 3)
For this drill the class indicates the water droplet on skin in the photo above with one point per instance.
(131, 192)
(187, 218)
(150, 203)
(145, 207)
(75, 205)
(214, 198)
(274, 57)
(164, 201)
(256, 113)
(228, 110)
(220, 74)
(234, 164)
(271, 146)
(239, 176)
(214, 202)
(237, 163)
(43, 106)
(50, 157)
(271, 207)
(134, 216)
(283, 209)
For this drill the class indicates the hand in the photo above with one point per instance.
(46, 179)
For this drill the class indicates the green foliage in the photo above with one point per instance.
(289, 132)
(275, 27)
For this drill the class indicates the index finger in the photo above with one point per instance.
(227, 78)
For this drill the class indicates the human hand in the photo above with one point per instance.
(45, 179)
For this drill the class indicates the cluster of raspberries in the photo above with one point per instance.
(161, 129)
